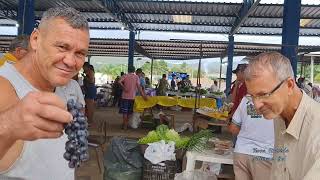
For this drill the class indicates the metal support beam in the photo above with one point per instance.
(113, 7)
(89, 59)
(247, 8)
(142, 51)
(290, 31)
(230, 63)
(312, 69)
(26, 16)
(221, 58)
(131, 48)
(151, 72)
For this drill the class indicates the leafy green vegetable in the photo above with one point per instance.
(161, 131)
(150, 138)
(182, 143)
(172, 135)
(197, 142)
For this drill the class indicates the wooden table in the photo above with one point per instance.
(202, 119)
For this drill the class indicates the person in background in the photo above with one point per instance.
(188, 81)
(116, 91)
(179, 83)
(214, 87)
(302, 84)
(120, 89)
(32, 118)
(173, 82)
(239, 89)
(162, 86)
(252, 156)
(272, 88)
(17, 50)
(90, 90)
(139, 73)
(130, 83)
(148, 83)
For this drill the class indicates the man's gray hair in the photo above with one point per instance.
(73, 17)
(274, 61)
(19, 41)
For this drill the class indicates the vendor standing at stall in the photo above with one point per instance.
(130, 83)
(254, 147)
(163, 86)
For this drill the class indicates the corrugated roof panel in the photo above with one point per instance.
(263, 22)
(310, 32)
(99, 16)
(313, 23)
(105, 25)
(178, 7)
(196, 20)
(185, 28)
(268, 10)
(80, 5)
(260, 31)
(310, 11)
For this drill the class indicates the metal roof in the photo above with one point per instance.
(178, 16)
(172, 49)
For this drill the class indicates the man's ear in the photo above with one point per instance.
(34, 38)
(291, 84)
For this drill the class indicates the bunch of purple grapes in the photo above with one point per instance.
(77, 131)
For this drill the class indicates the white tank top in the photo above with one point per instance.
(41, 159)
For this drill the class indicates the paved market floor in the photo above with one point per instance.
(90, 169)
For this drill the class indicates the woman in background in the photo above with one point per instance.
(90, 90)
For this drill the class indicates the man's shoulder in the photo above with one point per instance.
(8, 90)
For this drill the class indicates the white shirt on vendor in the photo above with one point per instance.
(256, 136)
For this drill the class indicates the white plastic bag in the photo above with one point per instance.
(135, 120)
(160, 151)
(184, 127)
(194, 175)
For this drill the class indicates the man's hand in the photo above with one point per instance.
(38, 115)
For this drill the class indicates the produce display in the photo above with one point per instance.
(77, 144)
(203, 91)
(197, 142)
(185, 89)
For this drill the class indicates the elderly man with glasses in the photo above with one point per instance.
(272, 88)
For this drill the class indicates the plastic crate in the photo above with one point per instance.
(157, 172)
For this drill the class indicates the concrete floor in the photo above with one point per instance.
(90, 169)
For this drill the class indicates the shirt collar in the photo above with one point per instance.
(295, 126)
(10, 57)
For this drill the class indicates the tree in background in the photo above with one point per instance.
(159, 67)
(190, 69)
(112, 69)
(307, 72)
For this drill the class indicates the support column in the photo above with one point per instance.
(151, 71)
(220, 73)
(131, 48)
(89, 59)
(290, 31)
(312, 68)
(230, 63)
(26, 17)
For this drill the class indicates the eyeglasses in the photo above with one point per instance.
(266, 95)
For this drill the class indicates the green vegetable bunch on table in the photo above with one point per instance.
(197, 142)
